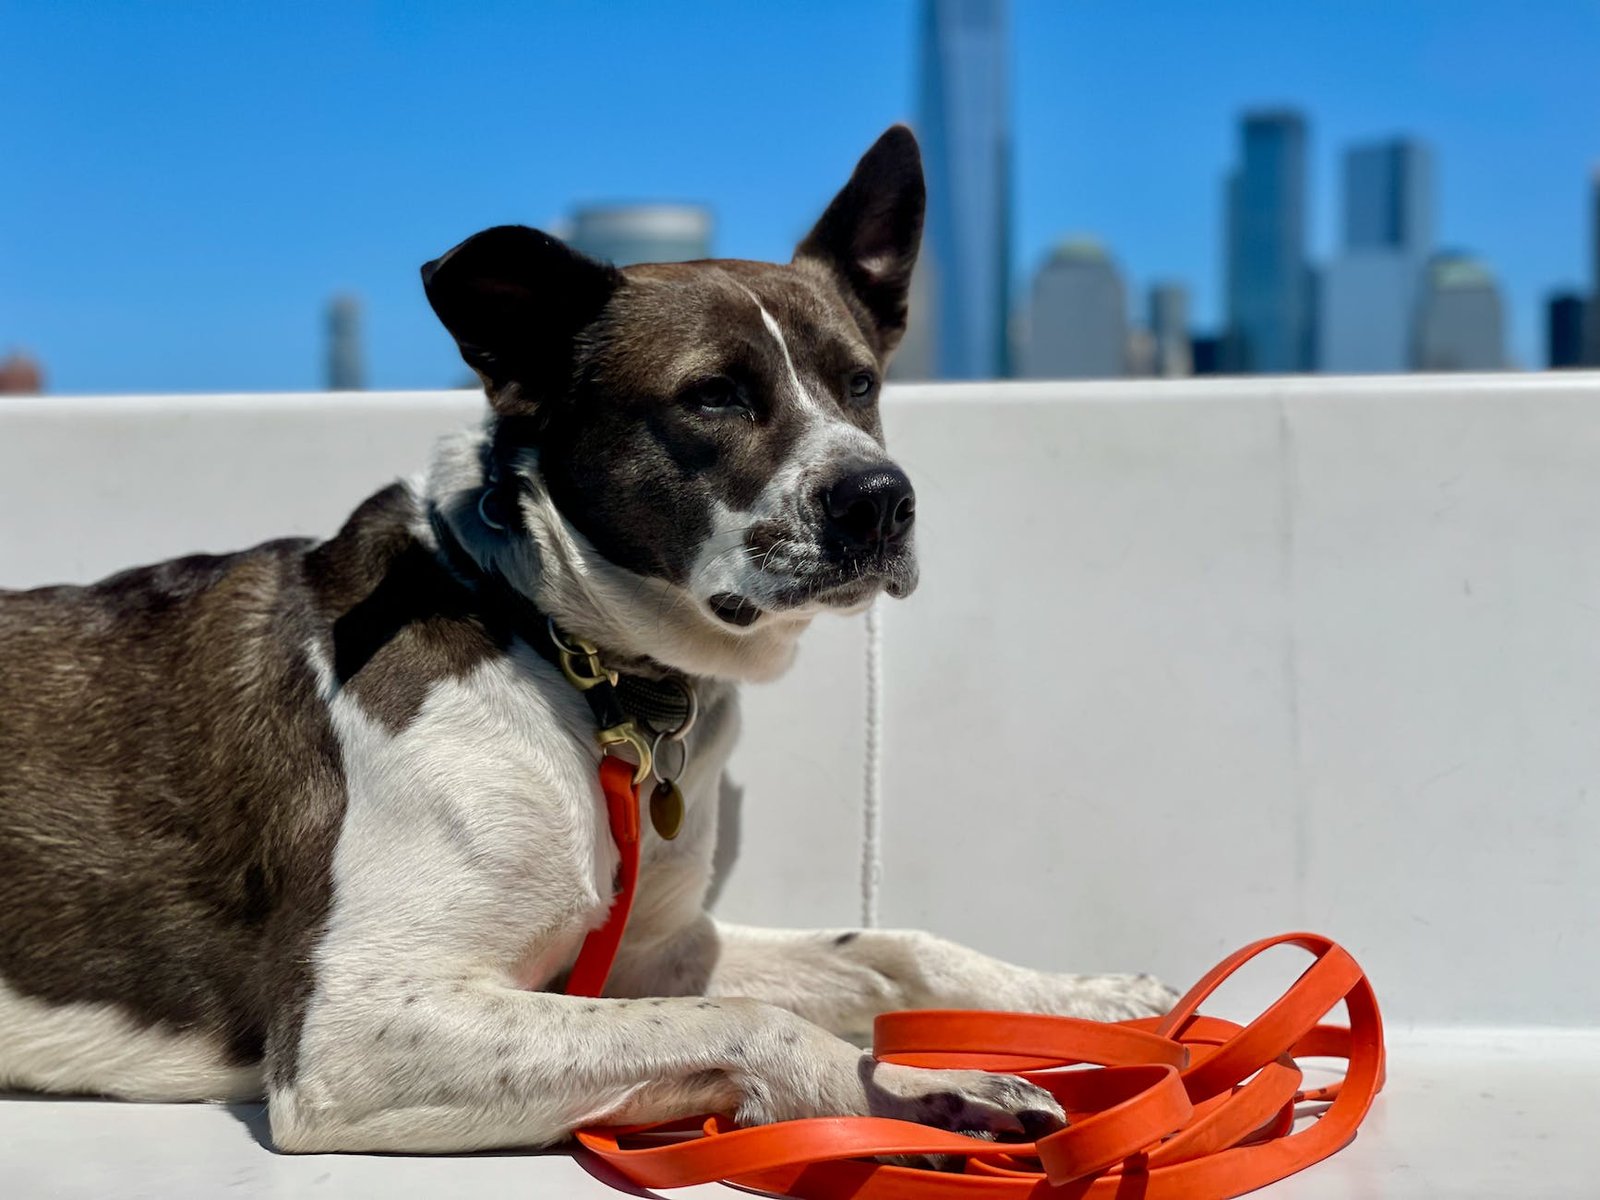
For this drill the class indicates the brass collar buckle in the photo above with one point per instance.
(628, 734)
(580, 661)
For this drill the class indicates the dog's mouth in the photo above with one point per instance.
(839, 588)
(734, 609)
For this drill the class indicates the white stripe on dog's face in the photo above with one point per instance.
(775, 572)
(801, 396)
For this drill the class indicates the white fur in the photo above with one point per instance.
(100, 1048)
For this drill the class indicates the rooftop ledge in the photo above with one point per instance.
(1311, 652)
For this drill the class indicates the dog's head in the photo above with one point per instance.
(709, 431)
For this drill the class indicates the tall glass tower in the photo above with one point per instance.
(1269, 300)
(1371, 290)
(1388, 192)
(965, 127)
(1591, 344)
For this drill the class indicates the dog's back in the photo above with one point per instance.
(170, 794)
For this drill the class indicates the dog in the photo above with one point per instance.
(321, 821)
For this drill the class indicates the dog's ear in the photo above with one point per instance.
(869, 235)
(515, 300)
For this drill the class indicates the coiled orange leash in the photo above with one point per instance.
(1181, 1107)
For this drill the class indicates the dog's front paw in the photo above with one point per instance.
(1110, 997)
(977, 1102)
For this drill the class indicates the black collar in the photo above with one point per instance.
(656, 707)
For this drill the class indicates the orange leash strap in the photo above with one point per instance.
(599, 949)
(1181, 1107)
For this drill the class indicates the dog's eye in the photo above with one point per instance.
(719, 396)
(861, 384)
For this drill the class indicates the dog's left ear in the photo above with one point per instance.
(869, 235)
(515, 299)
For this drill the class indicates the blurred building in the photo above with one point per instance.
(20, 375)
(1077, 324)
(1205, 353)
(1169, 328)
(1388, 196)
(1591, 343)
(1139, 353)
(1460, 318)
(346, 363)
(1368, 301)
(1368, 312)
(915, 358)
(1566, 317)
(965, 129)
(636, 233)
(1269, 283)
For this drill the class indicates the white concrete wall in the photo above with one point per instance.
(1191, 662)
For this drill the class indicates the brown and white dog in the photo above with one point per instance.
(315, 821)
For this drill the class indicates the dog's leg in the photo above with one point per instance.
(462, 1066)
(842, 979)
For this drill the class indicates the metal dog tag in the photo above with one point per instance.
(666, 809)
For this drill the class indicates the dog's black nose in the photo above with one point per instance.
(870, 508)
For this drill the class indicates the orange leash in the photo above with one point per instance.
(599, 950)
(1181, 1107)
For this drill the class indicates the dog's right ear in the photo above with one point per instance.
(869, 236)
(515, 300)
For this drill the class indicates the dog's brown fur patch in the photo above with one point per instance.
(171, 788)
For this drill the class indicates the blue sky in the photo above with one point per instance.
(184, 185)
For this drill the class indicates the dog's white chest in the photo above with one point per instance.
(480, 821)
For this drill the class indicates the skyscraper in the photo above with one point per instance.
(346, 372)
(965, 128)
(1169, 326)
(635, 233)
(1388, 196)
(1078, 320)
(1206, 352)
(1269, 282)
(916, 356)
(1369, 292)
(1460, 320)
(1565, 317)
(1591, 344)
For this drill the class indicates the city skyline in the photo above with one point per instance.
(177, 219)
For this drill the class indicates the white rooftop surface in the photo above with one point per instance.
(1192, 663)
(1467, 1114)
